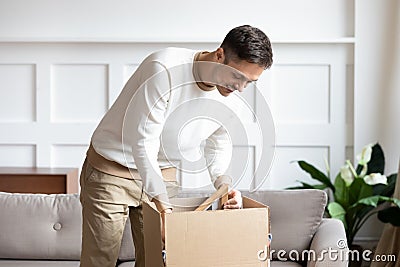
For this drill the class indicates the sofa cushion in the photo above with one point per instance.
(273, 264)
(127, 251)
(284, 264)
(127, 264)
(295, 216)
(39, 226)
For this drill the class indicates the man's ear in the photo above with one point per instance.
(220, 55)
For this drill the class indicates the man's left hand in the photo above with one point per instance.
(234, 200)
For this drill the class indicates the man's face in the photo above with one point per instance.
(236, 75)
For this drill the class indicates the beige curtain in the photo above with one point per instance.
(389, 243)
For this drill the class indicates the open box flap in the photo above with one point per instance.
(152, 232)
(251, 203)
(221, 194)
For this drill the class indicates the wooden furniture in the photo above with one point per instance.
(39, 180)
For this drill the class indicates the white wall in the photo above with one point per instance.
(377, 85)
(175, 20)
(59, 57)
(377, 80)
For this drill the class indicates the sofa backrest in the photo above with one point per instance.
(295, 216)
(39, 226)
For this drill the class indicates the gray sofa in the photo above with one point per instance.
(45, 230)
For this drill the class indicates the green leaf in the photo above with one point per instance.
(320, 186)
(359, 190)
(377, 162)
(316, 174)
(386, 190)
(342, 192)
(296, 187)
(396, 201)
(374, 200)
(363, 211)
(390, 215)
(307, 186)
(303, 186)
(338, 212)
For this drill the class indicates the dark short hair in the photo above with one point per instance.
(248, 43)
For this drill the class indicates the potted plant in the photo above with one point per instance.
(358, 193)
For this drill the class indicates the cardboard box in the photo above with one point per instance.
(208, 238)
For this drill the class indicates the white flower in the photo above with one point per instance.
(375, 178)
(365, 155)
(346, 174)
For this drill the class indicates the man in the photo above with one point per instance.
(128, 158)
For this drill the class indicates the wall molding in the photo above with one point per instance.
(343, 40)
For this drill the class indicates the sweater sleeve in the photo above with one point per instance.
(145, 119)
(218, 153)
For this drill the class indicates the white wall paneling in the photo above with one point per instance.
(330, 95)
(68, 155)
(301, 94)
(243, 177)
(16, 155)
(52, 95)
(286, 172)
(309, 90)
(79, 92)
(69, 86)
(17, 94)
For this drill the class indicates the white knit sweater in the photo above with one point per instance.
(161, 117)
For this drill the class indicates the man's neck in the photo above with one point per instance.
(200, 72)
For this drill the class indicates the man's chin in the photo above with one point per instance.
(224, 91)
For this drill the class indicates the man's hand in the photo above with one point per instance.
(234, 200)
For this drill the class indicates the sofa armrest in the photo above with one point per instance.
(329, 245)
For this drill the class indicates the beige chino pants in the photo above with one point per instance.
(107, 201)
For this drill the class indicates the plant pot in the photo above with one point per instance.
(355, 256)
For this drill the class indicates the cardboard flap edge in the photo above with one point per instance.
(152, 235)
